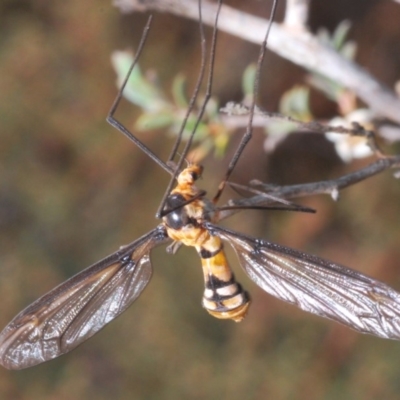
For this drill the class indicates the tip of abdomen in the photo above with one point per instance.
(227, 302)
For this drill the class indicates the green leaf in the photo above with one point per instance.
(178, 91)
(340, 34)
(159, 120)
(139, 90)
(295, 103)
(249, 76)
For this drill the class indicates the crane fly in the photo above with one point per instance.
(71, 313)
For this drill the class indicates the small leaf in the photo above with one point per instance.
(295, 103)
(139, 90)
(340, 34)
(149, 121)
(178, 91)
(248, 79)
(221, 142)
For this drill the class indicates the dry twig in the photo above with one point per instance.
(296, 45)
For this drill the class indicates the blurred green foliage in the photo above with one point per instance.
(160, 113)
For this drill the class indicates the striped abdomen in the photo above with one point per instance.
(223, 297)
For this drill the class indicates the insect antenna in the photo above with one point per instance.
(160, 212)
(249, 130)
(116, 124)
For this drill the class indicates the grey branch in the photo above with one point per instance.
(238, 116)
(296, 45)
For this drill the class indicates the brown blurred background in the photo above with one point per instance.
(73, 190)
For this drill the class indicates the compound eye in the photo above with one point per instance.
(174, 201)
(196, 172)
(177, 217)
(194, 175)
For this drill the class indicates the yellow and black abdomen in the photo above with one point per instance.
(223, 297)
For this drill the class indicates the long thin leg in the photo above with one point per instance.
(207, 96)
(116, 124)
(249, 130)
(196, 89)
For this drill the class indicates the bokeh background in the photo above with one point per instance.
(73, 190)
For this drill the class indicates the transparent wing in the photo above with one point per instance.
(78, 308)
(319, 286)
